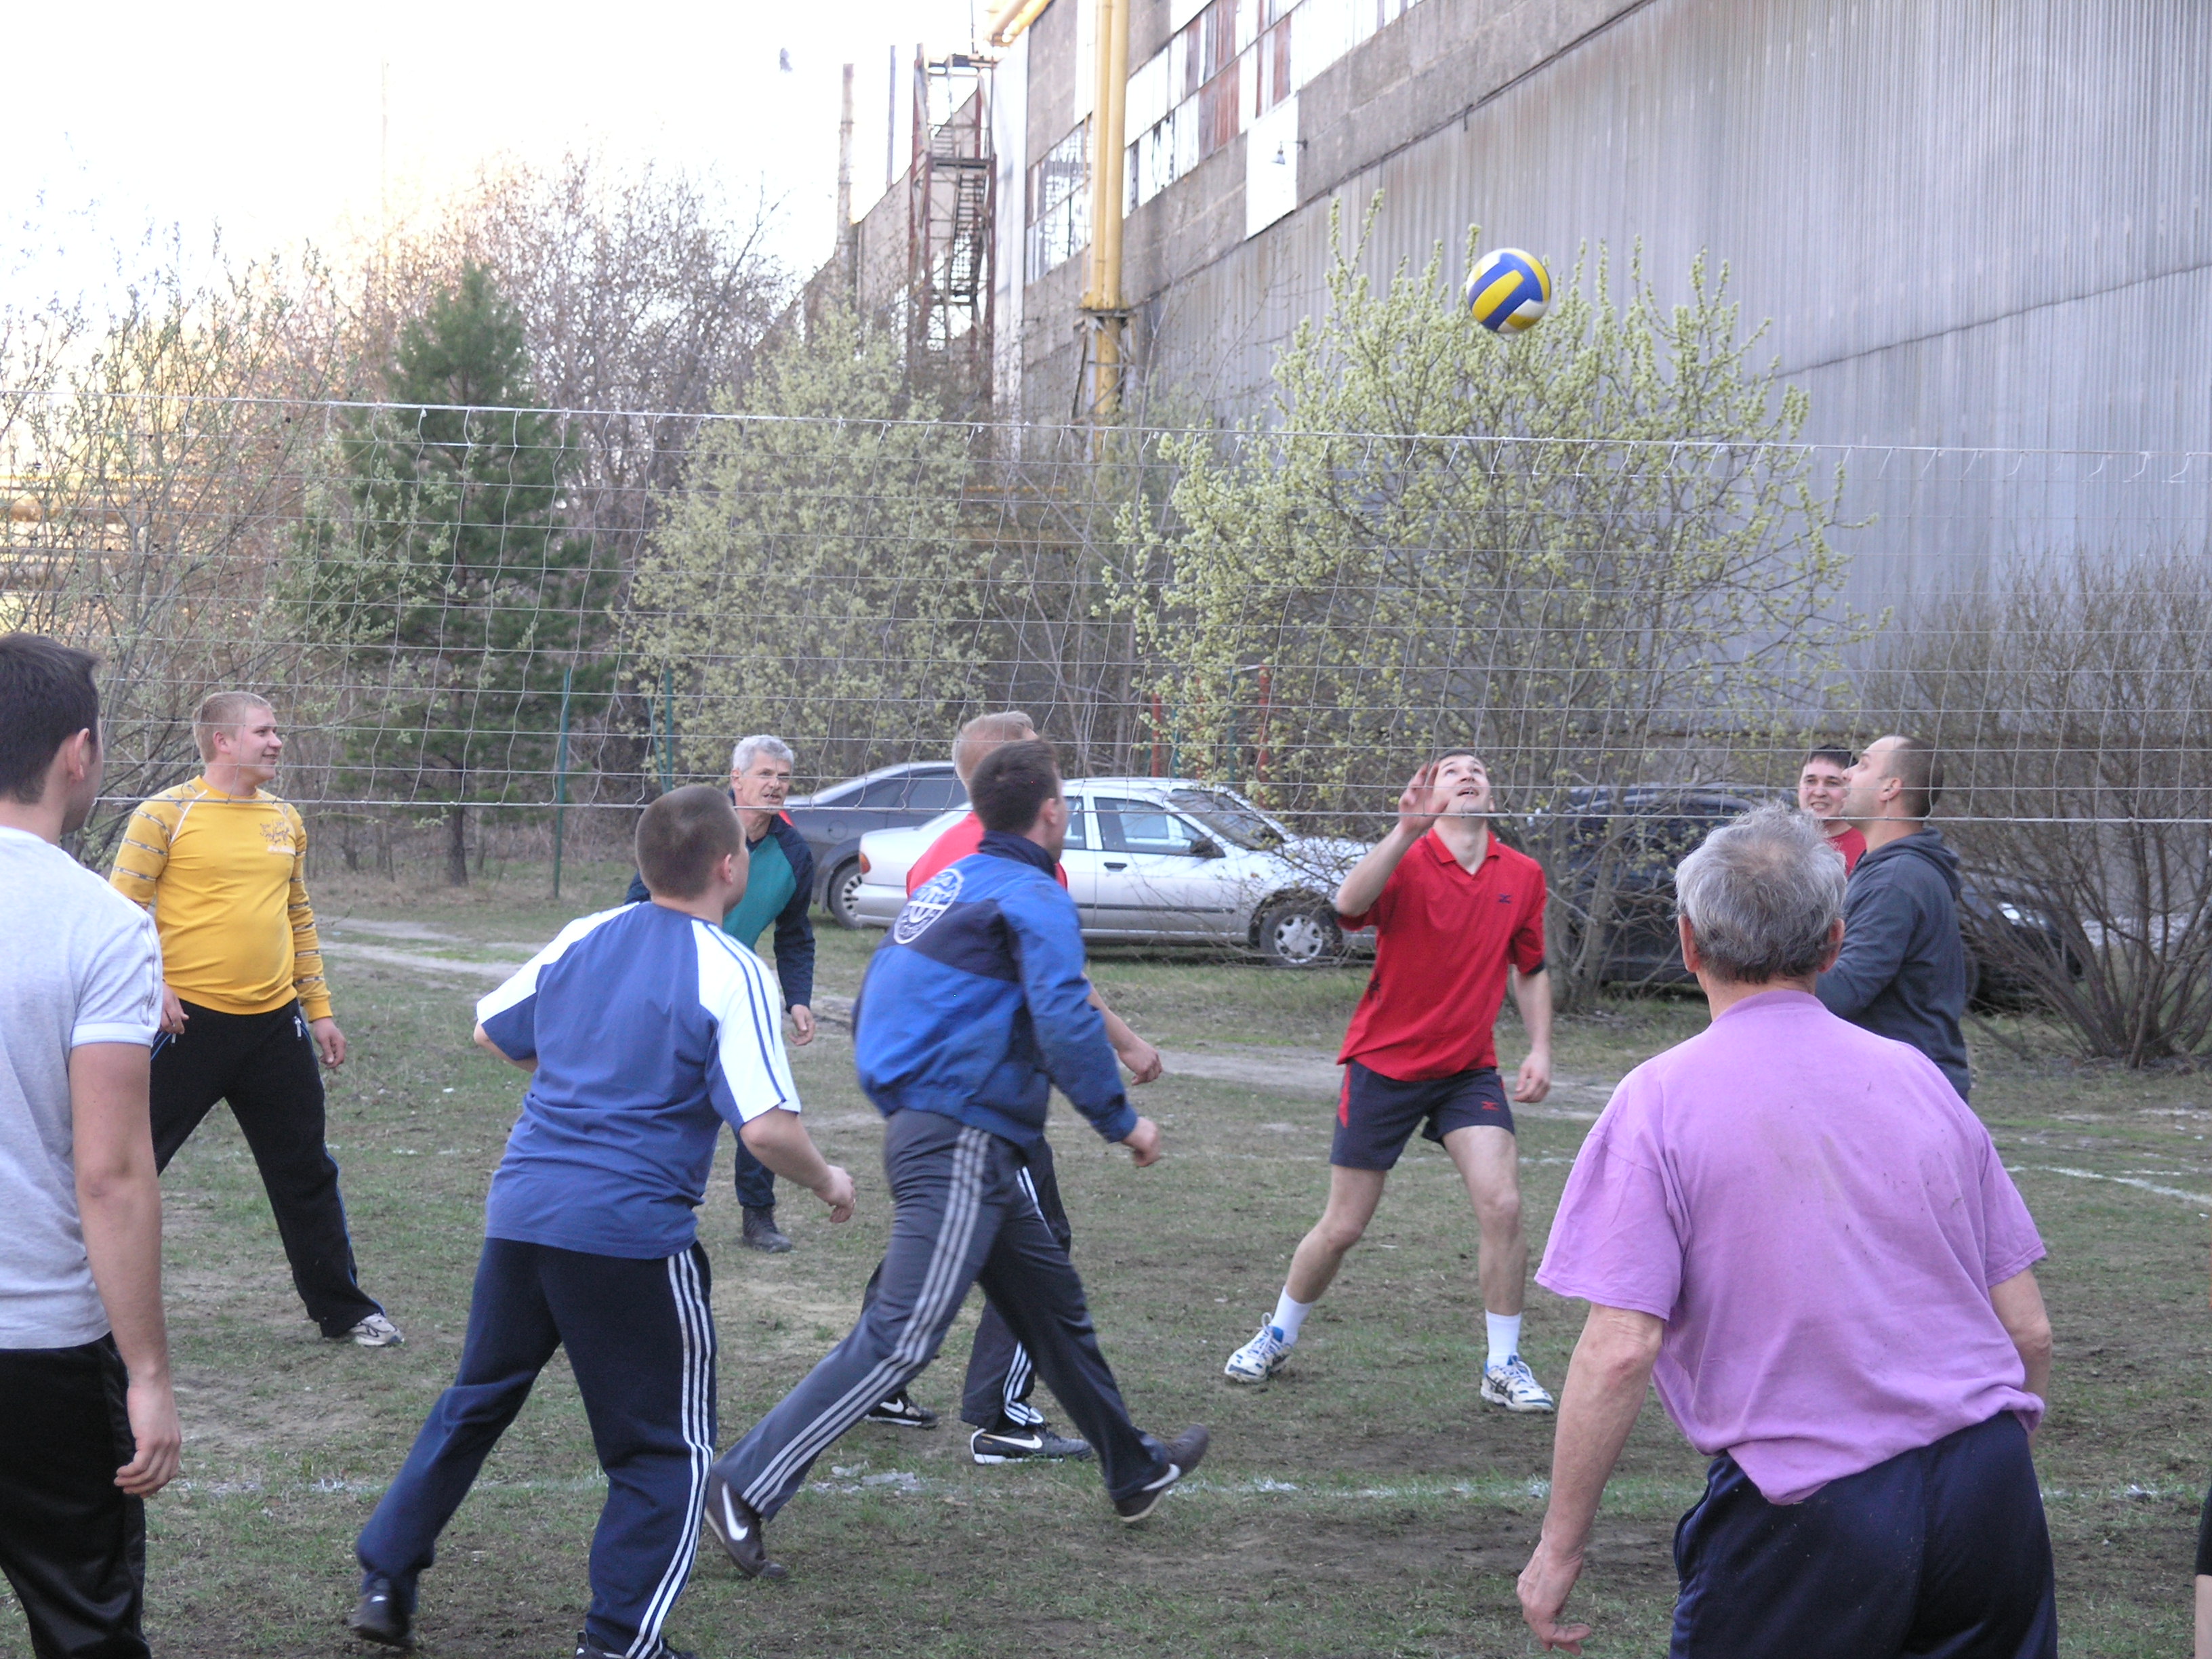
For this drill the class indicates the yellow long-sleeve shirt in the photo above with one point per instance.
(225, 877)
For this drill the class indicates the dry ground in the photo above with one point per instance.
(1363, 1504)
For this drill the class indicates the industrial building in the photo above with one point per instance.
(1970, 227)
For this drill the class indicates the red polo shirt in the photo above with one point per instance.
(954, 845)
(1851, 845)
(1444, 936)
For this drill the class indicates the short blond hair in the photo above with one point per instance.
(222, 711)
(985, 732)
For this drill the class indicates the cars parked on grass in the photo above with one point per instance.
(833, 820)
(1168, 861)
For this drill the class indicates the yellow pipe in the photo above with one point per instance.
(1009, 20)
(1108, 122)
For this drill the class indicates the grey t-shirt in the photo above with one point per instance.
(82, 965)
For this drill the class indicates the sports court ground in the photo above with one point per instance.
(1363, 1503)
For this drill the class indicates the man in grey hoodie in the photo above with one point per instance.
(1902, 973)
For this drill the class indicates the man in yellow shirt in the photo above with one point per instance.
(245, 1010)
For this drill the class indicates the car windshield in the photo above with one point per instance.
(1230, 819)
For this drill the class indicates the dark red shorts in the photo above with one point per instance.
(1377, 1116)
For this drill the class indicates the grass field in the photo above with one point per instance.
(1363, 1504)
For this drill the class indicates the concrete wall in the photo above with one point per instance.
(1973, 224)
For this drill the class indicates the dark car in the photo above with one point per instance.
(833, 820)
(1610, 857)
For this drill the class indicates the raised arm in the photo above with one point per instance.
(1419, 809)
(1604, 1391)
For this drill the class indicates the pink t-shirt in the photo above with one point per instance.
(1819, 1218)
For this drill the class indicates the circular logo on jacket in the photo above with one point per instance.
(931, 900)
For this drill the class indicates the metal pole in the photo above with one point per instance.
(1102, 303)
(667, 730)
(560, 777)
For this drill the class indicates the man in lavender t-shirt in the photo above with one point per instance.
(1802, 1234)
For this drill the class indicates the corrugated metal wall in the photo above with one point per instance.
(1974, 226)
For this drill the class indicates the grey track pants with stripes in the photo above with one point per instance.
(962, 1218)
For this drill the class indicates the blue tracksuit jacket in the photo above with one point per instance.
(976, 1004)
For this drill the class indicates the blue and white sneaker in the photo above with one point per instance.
(1515, 1387)
(1260, 1358)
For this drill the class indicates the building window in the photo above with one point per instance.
(1209, 73)
(1059, 203)
(1274, 55)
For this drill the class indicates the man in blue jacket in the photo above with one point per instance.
(1902, 973)
(781, 888)
(971, 1011)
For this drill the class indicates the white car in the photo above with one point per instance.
(1163, 860)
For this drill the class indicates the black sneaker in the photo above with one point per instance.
(384, 1615)
(585, 1650)
(1183, 1453)
(1031, 1443)
(900, 1412)
(738, 1530)
(763, 1234)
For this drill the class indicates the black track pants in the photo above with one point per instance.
(73, 1546)
(1000, 1373)
(962, 1218)
(263, 1065)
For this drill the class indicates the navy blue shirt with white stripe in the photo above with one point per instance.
(650, 1029)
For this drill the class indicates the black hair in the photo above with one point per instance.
(1013, 783)
(681, 838)
(1834, 753)
(47, 697)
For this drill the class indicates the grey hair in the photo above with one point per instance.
(750, 749)
(1762, 894)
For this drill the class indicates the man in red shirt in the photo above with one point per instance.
(1821, 785)
(995, 1399)
(1458, 918)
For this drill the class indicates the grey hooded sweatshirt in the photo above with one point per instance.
(1902, 970)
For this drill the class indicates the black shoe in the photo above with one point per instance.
(738, 1530)
(900, 1412)
(1032, 1442)
(585, 1650)
(762, 1233)
(383, 1616)
(1184, 1453)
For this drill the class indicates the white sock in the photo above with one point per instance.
(1290, 1314)
(1504, 1337)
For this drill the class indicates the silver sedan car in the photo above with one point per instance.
(1163, 860)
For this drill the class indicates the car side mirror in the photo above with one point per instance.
(1206, 847)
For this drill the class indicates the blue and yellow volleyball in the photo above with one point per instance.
(1509, 291)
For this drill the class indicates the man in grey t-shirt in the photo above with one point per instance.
(84, 1360)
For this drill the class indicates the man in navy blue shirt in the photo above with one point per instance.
(645, 1029)
(971, 1011)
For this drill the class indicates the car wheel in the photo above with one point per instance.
(840, 894)
(1299, 932)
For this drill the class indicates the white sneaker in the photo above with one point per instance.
(1260, 1358)
(375, 1332)
(1515, 1387)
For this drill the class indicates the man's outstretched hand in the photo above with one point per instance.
(1421, 805)
(1143, 1142)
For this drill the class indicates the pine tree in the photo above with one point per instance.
(445, 579)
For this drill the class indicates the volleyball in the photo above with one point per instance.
(1509, 291)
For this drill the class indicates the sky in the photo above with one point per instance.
(269, 121)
